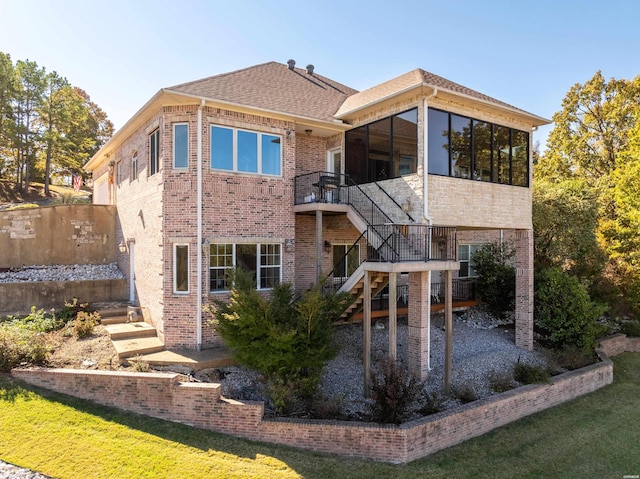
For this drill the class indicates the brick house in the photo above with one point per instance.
(294, 176)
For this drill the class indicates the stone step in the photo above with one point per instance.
(113, 320)
(194, 360)
(127, 348)
(129, 330)
(111, 312)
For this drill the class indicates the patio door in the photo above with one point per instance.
(335, 165)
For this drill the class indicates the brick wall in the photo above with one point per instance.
(201, 405)
(618, 344)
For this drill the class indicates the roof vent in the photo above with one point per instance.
(310, 69)
(292, 64)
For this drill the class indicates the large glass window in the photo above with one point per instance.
(245, 151)
(438, 142)
(154, 152)
(181, 145)
(264, 261)
(468, 148)
(384, 149)
(180, 268)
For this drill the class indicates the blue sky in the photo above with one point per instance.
(121, 52)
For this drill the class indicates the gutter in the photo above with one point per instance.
(199, 230)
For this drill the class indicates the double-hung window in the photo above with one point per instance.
(180, 146)
(245, 151)
(465, 256)
(154, 152)
(134, 166)
(264, 261)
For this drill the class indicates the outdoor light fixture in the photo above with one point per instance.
(122, 247)
(308, 132)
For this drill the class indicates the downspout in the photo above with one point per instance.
(199, 229)
(425, 201)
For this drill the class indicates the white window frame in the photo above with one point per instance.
(134, 167)
(469, 261)
(258, 263)
(346, 248)
(175, 167)
(175, 268)
(234, 168)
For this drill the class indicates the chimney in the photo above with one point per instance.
(310, 69)
(292, 64)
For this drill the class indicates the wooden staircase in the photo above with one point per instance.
(378, 282)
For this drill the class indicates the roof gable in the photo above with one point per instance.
(273, 86)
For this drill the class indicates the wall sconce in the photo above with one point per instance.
(308, 131)
(122, 247)
(406, 206)
(327, 247)
(288, 245)
(289, 133)
(205, 246)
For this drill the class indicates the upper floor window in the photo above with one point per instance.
(467, 148)
(245, 151)
(181, 145)
(154, 152)
(386, 148)
(134, 166)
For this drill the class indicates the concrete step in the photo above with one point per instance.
(113, 320)
(195, 360)
(127, 348)
(111, 312)
(130, 330)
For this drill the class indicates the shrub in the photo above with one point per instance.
(394, 390)
(287, 341)
(563, 311)
(138, 365)
(465, 393)
(530, 374)
(432, 403)
(569, 357)
(72, 308)
(327, 407)
(84, 323)
(21, 345)
(501, 381)
(38, 321)
(496, 282)
(630, 328)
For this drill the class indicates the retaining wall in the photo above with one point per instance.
(62, 234)
(618, 344)
(202, 405)
(17, 298)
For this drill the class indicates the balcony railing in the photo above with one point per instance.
(411, 242)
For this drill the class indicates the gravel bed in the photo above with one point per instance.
(482, 346)
(9, 471)
(72, 272)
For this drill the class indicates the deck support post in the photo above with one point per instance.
(418, 347)
(318, 244)
(393, 316)
(366, 325)
(448, 320)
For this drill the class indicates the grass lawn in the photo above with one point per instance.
(596, 436)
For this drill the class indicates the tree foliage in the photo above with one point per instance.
(496, 280)
(47, 126)
(287, 341)
(565, 220)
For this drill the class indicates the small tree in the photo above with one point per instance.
(496, 281)
(564, 312)
(287, 341)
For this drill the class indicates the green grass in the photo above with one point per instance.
(596, 436)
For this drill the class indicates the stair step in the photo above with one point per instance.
(113, 320)
(196, 360)
(130, 330)
(111, 312)
(127, 348)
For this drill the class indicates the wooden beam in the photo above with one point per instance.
(448, 331)
(393, 316)
(366, 325)
(318, 245)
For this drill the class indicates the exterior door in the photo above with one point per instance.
(335, 165)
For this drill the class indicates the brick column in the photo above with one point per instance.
(524, 289)
(419, 322)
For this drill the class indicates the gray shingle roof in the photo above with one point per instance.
(273, 86)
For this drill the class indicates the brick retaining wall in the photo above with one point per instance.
(202, 405)
(618, 344)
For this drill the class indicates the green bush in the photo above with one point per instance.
(287, 341)
(21, 345)
(84, 323)
(72, 308)
(394, 390)
(432, 403)
(630, 328)
(466, 393)
(496, 282)
(564, 314)
(500, 382)
(569, 357)
(38, 321)
(530, 374)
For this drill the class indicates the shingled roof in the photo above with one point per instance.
(273, 86)
(414, 79)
